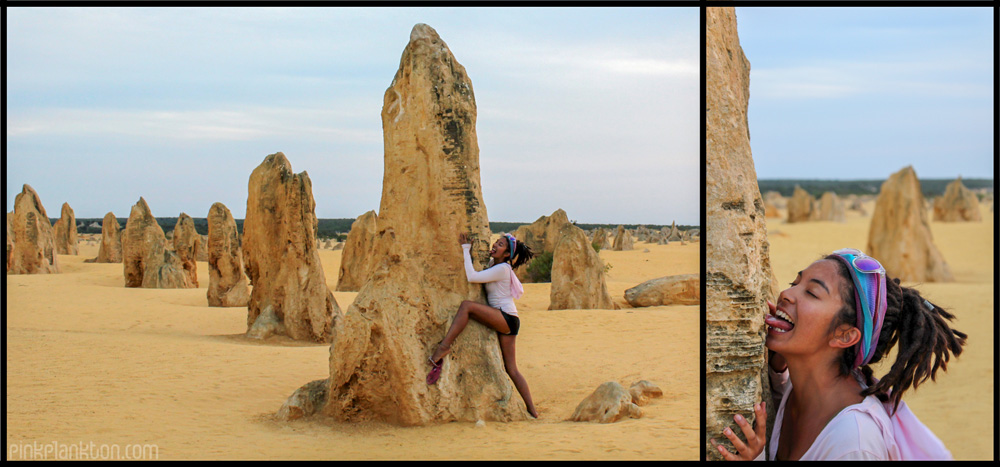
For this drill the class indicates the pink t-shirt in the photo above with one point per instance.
(862, 431)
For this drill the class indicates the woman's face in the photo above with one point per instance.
(499, 250)
(801, 322)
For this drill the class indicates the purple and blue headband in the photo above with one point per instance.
(511, 243)
(869, 299)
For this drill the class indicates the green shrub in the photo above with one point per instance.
(540, 267)
(597, 247)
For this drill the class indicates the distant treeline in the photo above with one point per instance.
(931, 187)
(331, 228)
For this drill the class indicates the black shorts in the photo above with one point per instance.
(512, 322)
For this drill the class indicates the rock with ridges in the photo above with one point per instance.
(682, 289)
(608, 403)
(900, 235)
(958, 204)
(65, 230)
(146, 262)
(431, 193)
(187, 246)
(305, 401)
(623, 240)
(227, 284)
(110, 250)
(541, 236)
(280, 254)
(357, 260)
(33, 250)
(642, 391)
(738, 269)
(577, 274)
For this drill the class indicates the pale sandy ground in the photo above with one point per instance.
(89, 360)
(958, 407)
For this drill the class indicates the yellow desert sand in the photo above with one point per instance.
(89, 360)
(958, 407)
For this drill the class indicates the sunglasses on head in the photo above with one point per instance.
(861, 261)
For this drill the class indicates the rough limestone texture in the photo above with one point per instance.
(431, 193)
(65, 229)
(187, 246)
(577, 274)
(800, 206)
(146, 261)
(227, 284)
(684, 289)
(305, 401)
(675, 234)
(110, 250)
(958, 204)
(642, 391)
(10, 242)
(609, 403)
(831, 208)
(623, 240)
(541, 236)
(738, 267)
(357, 259)
(601, 238)
(900, 235)
(280, 253)
(33, 250)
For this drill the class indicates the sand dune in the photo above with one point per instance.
(89, 360)
(958, 407)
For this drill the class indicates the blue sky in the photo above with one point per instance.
(592, 110)
(859, 93)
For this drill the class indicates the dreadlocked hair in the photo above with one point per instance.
(926, 341)
(523, 254)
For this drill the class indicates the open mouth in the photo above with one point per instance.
(779, 321)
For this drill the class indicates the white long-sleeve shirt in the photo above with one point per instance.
(497, 280)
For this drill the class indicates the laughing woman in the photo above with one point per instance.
(502, 287)
(838, 318)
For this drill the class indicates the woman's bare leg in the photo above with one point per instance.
(468, 309)
(510, 364)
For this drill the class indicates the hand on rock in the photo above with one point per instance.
(463, 239)
(756, 437)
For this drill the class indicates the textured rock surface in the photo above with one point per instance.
(675, 234)
(800, 206)
(187, 246)
(280, 254)
(601, 238)
(623, 240)
(900, 235)
(682, 289)
(541, 235)
(738, 269)
(609, 403)
(831, 208)
(33, 250)
(305, 401)
(357, 260)
(431, 190)
(146, 262)
(227, 284)
(10, 242)
(958, 204)
(65, 230)
(577, 274)
(642, 391)
(110, 250)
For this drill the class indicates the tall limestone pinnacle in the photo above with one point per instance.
(738, 269)
(430, 194)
